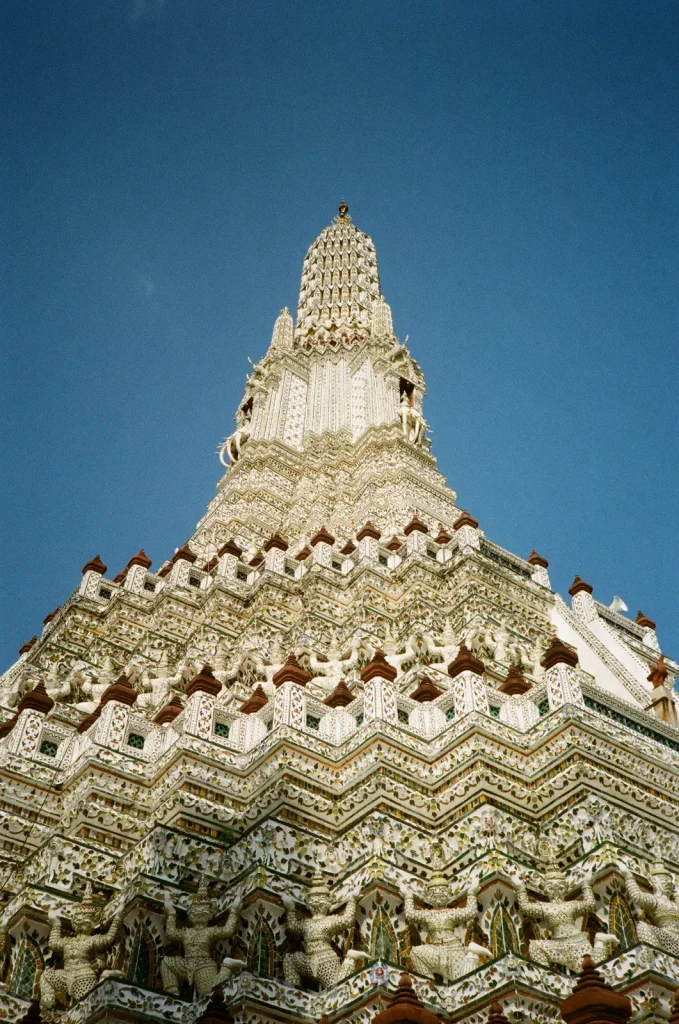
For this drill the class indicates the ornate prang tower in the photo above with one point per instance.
(338, 735)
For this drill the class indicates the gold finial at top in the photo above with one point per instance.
(343, 213)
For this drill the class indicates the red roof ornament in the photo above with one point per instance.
(25, 648)
(204, 682)
(405, 1007)
(230, 548)
(120, 691)
(291, 672)
(255, 701)
(185, 554)
(322, 537)
(340, 696)
(426, 691)
(394, 544)
(141, 558)
(94, 565)
(368, 531)
(443, 537)
(37, 699)
(465, 661)
(348, 548)
(169, 711)
(559, 654)
(594, 1001)
(415, 526)
(579, 586)
(514, 685)
(644, 621)
(276, 542)
(215, 1012)
(48, 618)
(496, 1014)
(465, 520)
(302, 555)
(378, 666)
(535, 559)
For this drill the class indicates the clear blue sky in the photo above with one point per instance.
(166, 163)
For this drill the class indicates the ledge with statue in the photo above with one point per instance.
(449, 968)
(527, 990)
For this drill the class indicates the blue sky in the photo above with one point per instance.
(166, 165)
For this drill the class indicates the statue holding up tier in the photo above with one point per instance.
(319, 960)
(197, 967)
(445, 953)
(661, 906)
(567, 943)
(81, 971)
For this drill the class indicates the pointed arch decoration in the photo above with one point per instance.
(28, 967)
(143, 960)
(621, 922)
(504, 937)
(262, 951)
(384, 944)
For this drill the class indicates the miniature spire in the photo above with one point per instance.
(559, 654)
(204, 682)
(465, 661)
(281, 338)
(378, 666)
(291, 672)
(215, 1012)
(594, 1001)
(340, 696)
(382, 325)
(94, 565)
(405, 1007)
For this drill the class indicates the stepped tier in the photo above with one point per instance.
(338, 734)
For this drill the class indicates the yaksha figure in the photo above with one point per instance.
(197, 966)
(319, 960)
(444, 954)
(81, 971)
(661, 906)
(567, 943)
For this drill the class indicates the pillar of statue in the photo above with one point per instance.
(661, 906)
(197, 967)
(567, 943)
(319, 960)
(445, 954)
(80, 972)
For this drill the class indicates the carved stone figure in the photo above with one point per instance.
(567, 943)
(233, 444)
(319, 960)
(412, 421)
(81, 971)
(197, 966)
(661, 906)
(445, 953)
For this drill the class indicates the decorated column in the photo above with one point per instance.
(560, 662)
(469, 690)
(379, 691)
